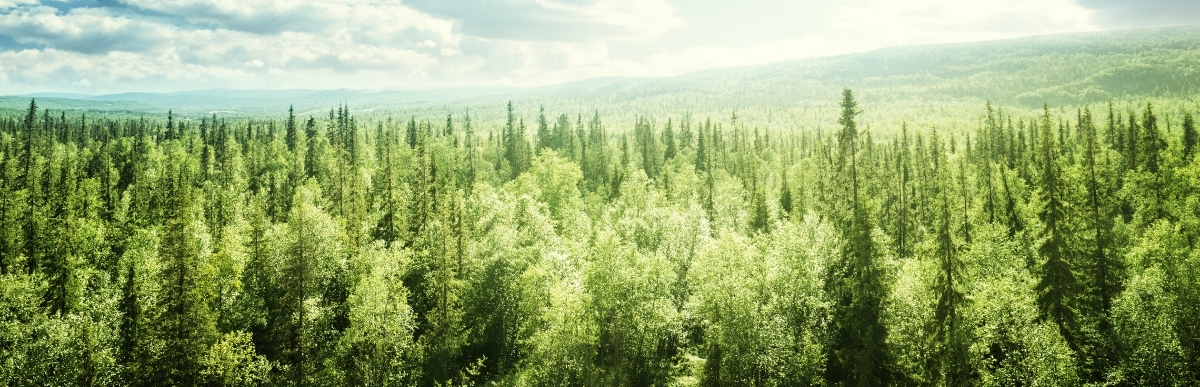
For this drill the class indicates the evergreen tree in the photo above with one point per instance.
(444, 334)
(760, 219)
(132, 357)
(516, 145)
(545, 139)
(1057, 286)
(785, 195)
(410, 132)
(31, 182)
(951, 345)
(469, 143)
(668, 139)
(1151, 145)
(185, 320)
(310, 265)
(293, 138)
(596, 157)
(1103, 279)
(857, 351)
(564, 138)
(1190, 136)
(60, 266)
(904, 199)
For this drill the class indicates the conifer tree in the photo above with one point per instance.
(516, 145)
(1103, 280)
(596, 158)
(59, 265)
(1133, 139)
(1190, 136)
(857, 351)
(310, 265)
(185, 320)
(444, 334)
(292, 136)
(387, 185)
(1057, 286)
(685, 131)
(951, 346)
(785, 195)
(544, 137)
(170, 135)
(564, 138)
(469, 143)
(132, 356)
(761, 216)
(31, 182)
(310, 156)
(703, 159)
(1151, 145)
(9, 219)
(410, 133)
(668, 139)
(904, 169)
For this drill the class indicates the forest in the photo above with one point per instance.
(1029, 248)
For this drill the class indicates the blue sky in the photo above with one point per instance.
(107, 46)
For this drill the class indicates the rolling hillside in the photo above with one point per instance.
(1063, 69)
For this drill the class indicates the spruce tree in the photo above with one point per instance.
(31, 182)
(857, 351)
(292, 137)
(1152, 144)
(904, 198)
(951, 345)
(545, 139)
(668, 139)
(1189, 136)
(1103, 267)
(132, 356)
(760, 220)
(185, 321)
(469, 142)
(1057, 286)
(785, 195)
(410, 133)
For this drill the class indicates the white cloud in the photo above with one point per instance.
(636, 20)
(88, 30)
(935, 21)
(14, 3)
(167, 45)
(121, 51)
(872, 24)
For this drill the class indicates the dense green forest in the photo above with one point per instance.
(1043, 248)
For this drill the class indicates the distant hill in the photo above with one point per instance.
(1062, 69)
(246, 102)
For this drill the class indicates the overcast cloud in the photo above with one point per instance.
(106, 46)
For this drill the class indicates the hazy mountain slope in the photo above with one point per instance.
(1060, 69)
(248, 102)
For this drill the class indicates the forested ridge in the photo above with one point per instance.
(1063, 69)
(560, 248)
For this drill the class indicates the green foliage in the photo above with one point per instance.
(628, 248)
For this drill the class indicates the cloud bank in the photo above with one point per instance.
(104, 46)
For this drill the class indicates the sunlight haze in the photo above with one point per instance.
(109, 46)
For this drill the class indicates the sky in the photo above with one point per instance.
(112, 46)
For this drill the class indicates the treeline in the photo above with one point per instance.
(335, 250)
